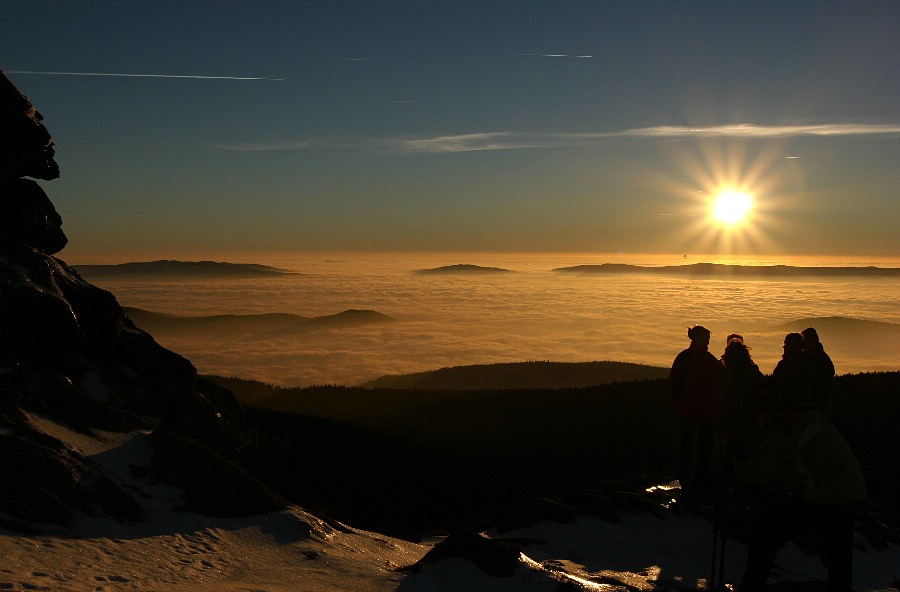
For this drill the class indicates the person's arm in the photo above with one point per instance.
(676, 378)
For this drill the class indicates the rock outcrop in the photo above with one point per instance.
(69, 355)
(26, 150)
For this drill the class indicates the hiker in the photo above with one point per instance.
(693, 382)
(822, 370)
(734, 337)
(740, 396)
(813, 485)
(792, 378)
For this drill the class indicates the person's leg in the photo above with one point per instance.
(705, 444)
(769, 532)
(686, 453)
(835, 532)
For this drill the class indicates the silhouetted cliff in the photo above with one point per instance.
(71, 359)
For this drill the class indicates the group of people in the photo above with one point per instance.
(775, 435)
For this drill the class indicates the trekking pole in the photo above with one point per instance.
(723, 516)
(717, 563)
(711, 583)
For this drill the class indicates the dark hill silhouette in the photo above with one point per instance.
(266, 324)
(166, 267)
(521, 375)
(250, 390)
(485, 456)
(349, 318)
(342, 320)
(463, 268)
(846, 338)
(213, 325)
(843, 326)
(741, 271)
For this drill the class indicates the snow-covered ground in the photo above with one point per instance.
(294, 551)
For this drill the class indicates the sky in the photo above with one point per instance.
(592, 126)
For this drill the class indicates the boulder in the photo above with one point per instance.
(493, 557)
(26, 148)
(27, 216)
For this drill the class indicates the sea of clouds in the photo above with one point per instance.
(533, 314)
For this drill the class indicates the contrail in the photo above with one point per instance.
(553, 55)
(120, 75)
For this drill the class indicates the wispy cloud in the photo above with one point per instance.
(265, 146)
(520, 140)
(511, 140)
(760, 131)
(439, 144)
(473, 142)
(126, 75)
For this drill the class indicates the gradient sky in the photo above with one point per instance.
(571, 125)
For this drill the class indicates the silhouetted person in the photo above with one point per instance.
(734, 337)
(693, 381)
(740, 395)
(792, 377)
(822, 370)
(813, 486)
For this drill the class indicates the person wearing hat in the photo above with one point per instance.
(693, 383)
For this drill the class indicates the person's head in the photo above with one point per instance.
(810, 335)
(736, 354)
(793, 342)
(734, 337)
(699, 334)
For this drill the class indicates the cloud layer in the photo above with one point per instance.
(534, 314)
(513, 140)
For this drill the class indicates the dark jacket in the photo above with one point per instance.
(792, 379)
(740, 400)
(693, 381)
(822, 376)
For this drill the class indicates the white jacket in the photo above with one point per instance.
(813, 462)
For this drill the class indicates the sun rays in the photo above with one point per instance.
(731, 195)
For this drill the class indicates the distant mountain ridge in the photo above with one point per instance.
(521, 375)
(723, 270)
(843, 325)
(235, 325)
(348, 318)
(182, 268)
(230, 324)
(463, 268)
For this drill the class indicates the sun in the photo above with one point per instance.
(731, 206)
